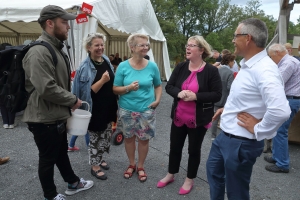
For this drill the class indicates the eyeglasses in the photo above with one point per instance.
(235, 35)
(191, 45)
(143, 45)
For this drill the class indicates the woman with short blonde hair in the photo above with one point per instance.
(93, 83)
(195, 86)
(138, 83)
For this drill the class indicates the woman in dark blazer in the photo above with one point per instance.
(195, 86)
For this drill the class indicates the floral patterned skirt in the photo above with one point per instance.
(140, 124)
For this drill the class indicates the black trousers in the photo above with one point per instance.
(177, 138)
(7, 117)
(53, 150)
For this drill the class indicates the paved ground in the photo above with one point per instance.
(19, 180)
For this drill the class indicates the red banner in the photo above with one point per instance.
(87, 8)
(81, 18)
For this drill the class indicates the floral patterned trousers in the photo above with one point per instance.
(99, 143)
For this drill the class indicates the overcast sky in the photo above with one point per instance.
(271, 7)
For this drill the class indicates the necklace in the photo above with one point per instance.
(197, 67)
(96, 62)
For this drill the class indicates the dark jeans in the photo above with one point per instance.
(7, 117)
(178, 135)
(53, 148)
(229, 165)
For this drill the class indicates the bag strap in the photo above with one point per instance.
(48, 46)
(51, 50)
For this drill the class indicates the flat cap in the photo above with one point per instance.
(52, 11)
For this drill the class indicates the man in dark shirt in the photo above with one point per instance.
(117, 59)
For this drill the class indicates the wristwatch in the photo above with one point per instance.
(127, 90)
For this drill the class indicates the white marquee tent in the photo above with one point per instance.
(115, 18)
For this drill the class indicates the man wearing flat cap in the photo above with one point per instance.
(50, 103)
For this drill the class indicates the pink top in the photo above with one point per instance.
(186, 110)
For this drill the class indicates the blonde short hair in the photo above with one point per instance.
(202, 44)
(288, 45)
(131, 41)
(88, 40)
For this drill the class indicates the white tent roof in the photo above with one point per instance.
(117, 16)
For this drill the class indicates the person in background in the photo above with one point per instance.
(4, 160)
(7, 116)
(113, 62)
(216, 55)
(289, 68)
(72, 146)
(48, 107)
(93, 83)
(254, 110)
(125, 58)
(289, 48)
(117, 59)
(138, 83)
(195, 86)
(226, 78)
(235, 68)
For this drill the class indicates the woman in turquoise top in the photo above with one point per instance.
(138, 83)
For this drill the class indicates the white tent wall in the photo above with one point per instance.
(117, 19)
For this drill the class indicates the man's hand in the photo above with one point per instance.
(77, 105)
(247, 121)
(217, 114)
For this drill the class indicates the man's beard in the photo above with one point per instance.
(62, 37)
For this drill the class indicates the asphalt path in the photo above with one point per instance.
(19, 179)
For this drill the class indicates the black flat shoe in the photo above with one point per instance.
(95, 173)
(106, 167)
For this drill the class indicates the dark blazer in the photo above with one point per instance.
(210, 90)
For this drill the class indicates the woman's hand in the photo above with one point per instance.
(134, 86)
(153, 105)
(187, 95)
(182, 94)
(105, 77)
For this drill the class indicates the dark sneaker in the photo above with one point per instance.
(58, 197)
(276, 169)
(81, 185)
(269, 159)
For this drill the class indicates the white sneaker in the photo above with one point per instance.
(82, 185)
(60, 197)
(5, 125)
(11, 126)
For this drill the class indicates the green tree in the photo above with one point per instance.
(216, 20)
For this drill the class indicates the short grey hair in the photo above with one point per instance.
(277, 47)
(257, 29)
(88, 40)
(131, 41)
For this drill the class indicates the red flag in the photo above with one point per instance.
(87, 8)
(81, 18)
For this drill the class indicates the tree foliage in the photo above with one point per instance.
(216, 20)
